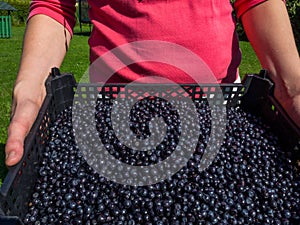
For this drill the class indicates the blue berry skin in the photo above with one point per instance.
(252, 180)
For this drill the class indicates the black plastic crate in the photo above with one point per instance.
(254, 94)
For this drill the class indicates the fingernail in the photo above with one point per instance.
(10, 155)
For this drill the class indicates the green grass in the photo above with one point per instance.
(250, 63)
(77, 58)
(76, 61)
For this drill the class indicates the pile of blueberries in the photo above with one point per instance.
(252, 180)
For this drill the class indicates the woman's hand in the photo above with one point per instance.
(27, 100)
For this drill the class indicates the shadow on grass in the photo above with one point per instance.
(3, 168)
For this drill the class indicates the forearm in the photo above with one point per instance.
(268, 28)
(45, 45)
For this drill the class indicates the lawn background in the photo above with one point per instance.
(76, 61)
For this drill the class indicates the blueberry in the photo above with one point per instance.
(251, 180)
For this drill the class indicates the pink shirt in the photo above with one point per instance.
(207, 28)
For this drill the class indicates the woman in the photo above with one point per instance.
(206, 28)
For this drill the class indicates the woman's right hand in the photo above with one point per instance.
(27, 100)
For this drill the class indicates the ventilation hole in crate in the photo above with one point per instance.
(41, 127)
(122, 95)
(90, 89)
(197, 96)
(113, 95)
(42, 135)
(226, 96)
(273, 107)
(107, 89)
(134, 94)
(174, 94)
(211, 96)
(82, 89)
(144, 95)
(205, 89)
(227, 89)
(90, 96)
(180, 91)
(114, 89)
(186, 94)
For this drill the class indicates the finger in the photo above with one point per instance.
(24, 116)
(14, 144)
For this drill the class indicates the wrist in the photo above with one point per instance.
(287, 82)
(287, 92)
(29, 90)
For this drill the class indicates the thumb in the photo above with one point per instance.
(23, 118)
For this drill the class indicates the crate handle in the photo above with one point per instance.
(259, 90)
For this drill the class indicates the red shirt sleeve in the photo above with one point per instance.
(63, 11)
(242, 6)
